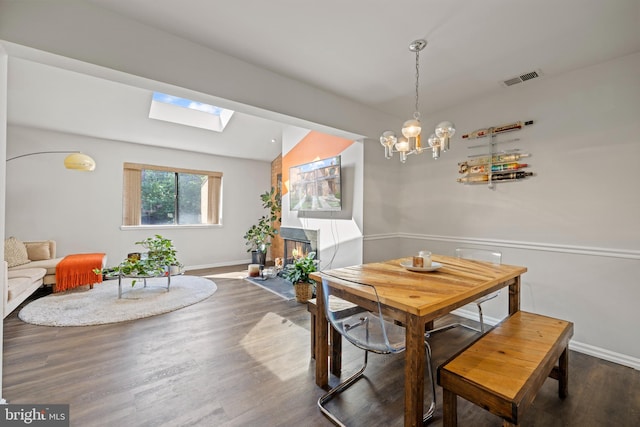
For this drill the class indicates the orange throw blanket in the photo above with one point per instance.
(77, 270)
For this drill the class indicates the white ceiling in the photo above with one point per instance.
(359, 48)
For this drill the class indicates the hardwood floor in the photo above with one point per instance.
(241, 358)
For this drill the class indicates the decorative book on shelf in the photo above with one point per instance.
(492, 164)
(480, 133)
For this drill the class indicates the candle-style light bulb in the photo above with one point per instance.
(388, 140)
(444, 131)
(435, 142)
(411, 128)
(402, 145)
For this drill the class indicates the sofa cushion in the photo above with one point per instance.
(47, 264)
(15, 252)
(19, 281)
(38, 251)
(32, 274)
(17, 286)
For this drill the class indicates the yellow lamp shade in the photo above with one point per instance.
(79, 161)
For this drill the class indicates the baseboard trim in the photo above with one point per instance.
(601, 353)
(590, 350)
(217, 264)
(532, 246)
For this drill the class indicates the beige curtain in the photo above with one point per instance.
(215, 191)
(132, 197)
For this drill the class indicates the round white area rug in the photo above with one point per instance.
(83, 306)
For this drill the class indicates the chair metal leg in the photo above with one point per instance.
(339, 389)
(481, 319)
(482, 329)
(355, 377)
(432, 409)
(451, 326)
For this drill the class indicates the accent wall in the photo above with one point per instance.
(339, 232)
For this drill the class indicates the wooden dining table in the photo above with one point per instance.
(414, 299)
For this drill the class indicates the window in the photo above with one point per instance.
(186, 112)
(158, 195)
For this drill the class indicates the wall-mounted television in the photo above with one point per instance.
(315, 186)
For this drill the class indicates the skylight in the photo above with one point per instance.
(186, 112)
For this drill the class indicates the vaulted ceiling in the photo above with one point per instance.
(357, 49)
(47, 97)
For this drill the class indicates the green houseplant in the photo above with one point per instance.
(160, 251)
(159, 259)
(297, 272)
(258, 236)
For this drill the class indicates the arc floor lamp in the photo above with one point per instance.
(75, 160)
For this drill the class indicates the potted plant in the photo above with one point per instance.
(259, 235)
(297, 272)
(132, 267)
(162, 253)
(159, 260)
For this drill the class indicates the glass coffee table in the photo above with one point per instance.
(144, 280)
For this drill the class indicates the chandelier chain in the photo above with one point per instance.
(416, 113)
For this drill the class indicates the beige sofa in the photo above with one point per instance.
(28, 265)
(19, 285)
(41, 254)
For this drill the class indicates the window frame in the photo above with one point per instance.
(132, 196)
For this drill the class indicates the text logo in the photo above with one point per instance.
(34, 415)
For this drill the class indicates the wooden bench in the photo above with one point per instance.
(504, 369)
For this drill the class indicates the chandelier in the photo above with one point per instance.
(410, 142)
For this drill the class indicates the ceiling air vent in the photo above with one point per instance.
(521, 78)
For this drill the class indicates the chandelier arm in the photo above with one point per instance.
(414, 151)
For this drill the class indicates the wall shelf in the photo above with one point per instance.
(491, 165)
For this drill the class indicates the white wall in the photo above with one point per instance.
(575, 225)
(584, 144)
(83, 211)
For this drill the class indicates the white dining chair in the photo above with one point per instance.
(486, 255)
(368, 330)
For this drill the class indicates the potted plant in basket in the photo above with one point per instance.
(259, 235)
(297, 272)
